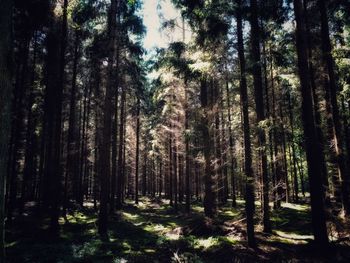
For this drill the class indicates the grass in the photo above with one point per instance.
(153, 232)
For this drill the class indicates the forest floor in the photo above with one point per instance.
(153, 232)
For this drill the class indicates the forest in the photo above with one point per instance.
(229, 143)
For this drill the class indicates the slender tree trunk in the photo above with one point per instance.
(160, 178)
(5, 102)
(120, 178)
(311, 144)
(218, 168)
(138, 153)
(224, 157)
(105, 156)
(56, 47)
(232, 153)
(295, 177)
(175, 174)
(144, 173)
(249, 205)
(17, 126)
(207, 116)
(29, 171)
(114, 154)
(331, 88)
(72, 150)
(259, 107)
(315, 98)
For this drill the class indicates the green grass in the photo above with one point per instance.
(155, 233)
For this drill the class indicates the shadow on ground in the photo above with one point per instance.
(154, 232)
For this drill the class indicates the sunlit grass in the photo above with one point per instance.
(294, 236)
(298, 207)
(154, 230)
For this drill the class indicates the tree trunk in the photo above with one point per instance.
(5, 102)
(259, 107)
(232, 154)
(249, 204)
(311, 143)
(72, 149)
(138, 152)
(29, 170)
(105, 155)
(207, 116)
(331, 88)
(295, 174)
(120, 178)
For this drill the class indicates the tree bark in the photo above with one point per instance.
(249, 204)
(5, 102)
(311, 144)
(105, 155)
(138, 152)
(259, 107)
(331, 88)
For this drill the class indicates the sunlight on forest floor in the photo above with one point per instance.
(154, 232)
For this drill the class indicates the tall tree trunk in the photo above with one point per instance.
(144, 173)
(331, 88)
(232, 154)
(218, 168)
(105, 155)
(259, 107)
(249, 204)
(315, 98)
(56, 47)
(170, 170)
(29, 170)
(5, 102)
(224, 156)
(311, 143)
(72, 149)
(207, 117)
(114, 154)
(138, 153)
(295, 174)
(175, 174)
(120, 178)
(17, 126)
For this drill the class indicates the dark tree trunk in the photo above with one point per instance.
(311, 143)
(120, 178)
(18, 124)
(224, 158)
(295, 174)
(175, 174)
(232, 154)
(144, 173)
(138, 153)
(259, 107)
(316, 107)
(72, 149)
(207, 133)
(249, 204)
(29, 170)
(56, 46)
(331, 88)
(105, 155)
(5, 102)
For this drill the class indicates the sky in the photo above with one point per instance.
(152, 21)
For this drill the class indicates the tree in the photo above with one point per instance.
(249, 205)
(5, 102)
(331, 88)
(259, 107)
(105, 158)
(310, 134)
